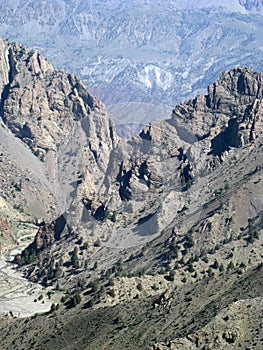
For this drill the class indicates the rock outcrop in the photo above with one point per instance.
(150, 181)
(233, 103)
(53, 113)
(42, 105)
(119, 180)
(181, 201)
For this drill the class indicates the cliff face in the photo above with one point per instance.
(152, 179)
(53, 113)
(41, 105)
(94, 177)
(233, 103)
(181, 201)
(229, 116)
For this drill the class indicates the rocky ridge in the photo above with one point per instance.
(50, 112)
(155, 222)
(40, 104)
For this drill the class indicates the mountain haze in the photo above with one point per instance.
(164, 51)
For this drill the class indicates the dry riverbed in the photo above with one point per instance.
(18, 296)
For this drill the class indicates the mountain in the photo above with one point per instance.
(51, 112)
(255, 6)
(148, 243)
(153, 52)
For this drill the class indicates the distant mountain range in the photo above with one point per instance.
(155, 52)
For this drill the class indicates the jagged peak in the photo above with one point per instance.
(242, 80)
(233, 95)
(32, 89)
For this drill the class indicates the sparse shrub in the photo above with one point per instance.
(139, 287)
(218, 192)
(176, 266)
(94, 285)
(221, 268)
(191, 268)
(80, 241)
(74, 258)
(117, 320)
(113, 217)
(112, 293)
(210, 272)
(171, 275)
(230, 255)
(211, 251)
(63, 299)
(81, 283)
(57, 271)
(252, 235)
(230, 265)
(242, 265)
(188, 185)
(141, 271)
(215, 265)
(191, 260)
(155, 287)
(85, 245)
(167, 268)
(196, 258)
(189, 241)
(131, 257)
(89, 303)
(75, 300)
(185, 251)
(174, 250)
(188, 299)
(54, 307)
(85, 264)
(205, 259)
(97, 243)
(111, 282)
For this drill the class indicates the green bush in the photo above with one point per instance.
(75, 300)
(139, 287)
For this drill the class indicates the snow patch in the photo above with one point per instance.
(152, 76)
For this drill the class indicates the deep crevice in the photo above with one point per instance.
(6, 90)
